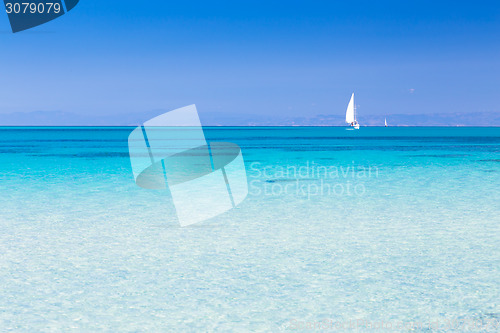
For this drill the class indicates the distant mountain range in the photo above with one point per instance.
(57, 118)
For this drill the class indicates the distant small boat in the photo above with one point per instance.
(385, 122)
(350, 115)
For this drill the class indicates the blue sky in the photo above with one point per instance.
(256, 57)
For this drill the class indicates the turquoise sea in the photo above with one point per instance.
(381, 229)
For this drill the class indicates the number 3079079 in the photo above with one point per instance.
(33, 8)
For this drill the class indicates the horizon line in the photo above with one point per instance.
(250, 126)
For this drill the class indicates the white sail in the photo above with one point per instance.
(385, 122)
(349, 115)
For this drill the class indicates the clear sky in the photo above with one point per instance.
(256, 57)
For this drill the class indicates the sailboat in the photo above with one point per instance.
(350, 115)
(385, 120)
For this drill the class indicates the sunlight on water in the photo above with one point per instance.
(386, 225)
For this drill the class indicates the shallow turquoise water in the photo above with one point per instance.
(393, 225)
